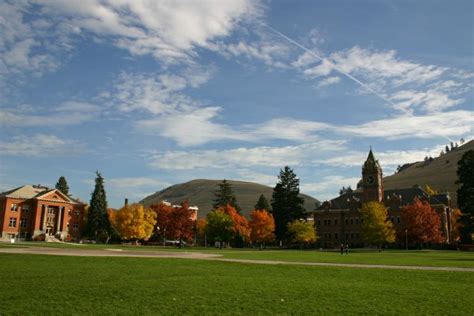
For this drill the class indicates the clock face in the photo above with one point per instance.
(370, 180)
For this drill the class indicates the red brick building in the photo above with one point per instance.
(34, 211)
(338, 220)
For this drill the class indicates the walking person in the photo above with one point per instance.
(346, 248)
(342, 249)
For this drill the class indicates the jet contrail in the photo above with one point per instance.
(331, 63)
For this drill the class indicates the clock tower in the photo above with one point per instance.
(372, 185)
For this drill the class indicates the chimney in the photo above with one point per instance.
(126, 202)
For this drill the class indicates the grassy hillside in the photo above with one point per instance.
(440, 173)
(201, 193)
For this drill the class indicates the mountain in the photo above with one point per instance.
(201, 193)
(439, 173)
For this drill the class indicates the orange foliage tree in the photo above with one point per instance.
(133, 222)
(262, 226)
(421, 222)
(241, 225)
(174, 222)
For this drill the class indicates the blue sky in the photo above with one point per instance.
(154, 93)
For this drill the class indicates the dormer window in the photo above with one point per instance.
(13, 207)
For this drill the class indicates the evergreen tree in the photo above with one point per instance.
(262, 203)
(345, 190)
(287, 205)
(225, 195)
(466, 195)
(62, 185)
(98, 222)
(446, 149)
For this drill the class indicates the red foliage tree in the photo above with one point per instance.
(262, 226)
(421, 222)
(241, 225)
(174, 222)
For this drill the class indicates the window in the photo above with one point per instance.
(319, 222)
(13, 207)
(347, 235)
(335, 222)
(347, 221)
(357, 221)
(77, 213)
(23, 222)
(12, 222)
(25, 208)
(335, 236)
(352, 221)
(352, 235)
(357, 235)
(398, 219)
(329, 235)
(75, 226)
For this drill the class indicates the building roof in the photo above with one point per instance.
(25, 192)
(405, 195)
(35, 192)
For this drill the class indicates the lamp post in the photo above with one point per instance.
(164, 237)
(406, 239)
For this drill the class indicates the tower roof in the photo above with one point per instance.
(371, 162)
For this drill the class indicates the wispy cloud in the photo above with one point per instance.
(39, 145)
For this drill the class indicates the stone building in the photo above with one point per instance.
(35, 211)
(338, 220)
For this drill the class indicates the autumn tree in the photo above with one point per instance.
(225, 195)
(287, 204)
(219, 227)
(465, 194)
(240, 225)
(430, 190)
(134, 222)
(301, 232)
(201, 230)
(262, 226)
(376, 228)
(421, 222)
(173, 222)
(98, 223)
(262, 203)
(62, 186)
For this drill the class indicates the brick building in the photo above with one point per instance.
(34, 211)
(338, 220)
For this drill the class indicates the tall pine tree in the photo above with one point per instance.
(287, 205)
(262, 203)
(466, 195)
(62, 185)
(225, 195)
(98, 223)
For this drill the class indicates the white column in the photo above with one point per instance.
(45, 216)
(58, 226)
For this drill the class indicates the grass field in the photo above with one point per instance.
(43, 285)
(389, 257)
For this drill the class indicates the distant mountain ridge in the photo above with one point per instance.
(200, 192)
(439, 173)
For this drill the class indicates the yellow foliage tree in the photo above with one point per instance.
(376, 228)
(302, 232)
(430, 190)
(134, 222)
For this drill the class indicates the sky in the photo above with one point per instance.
(155, 93)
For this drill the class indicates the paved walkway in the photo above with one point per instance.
(205, 256)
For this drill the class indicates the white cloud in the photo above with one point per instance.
(244, 157)
(39, 145)
(136, 182)
(328, 187)
(168, 30)
(328, 81)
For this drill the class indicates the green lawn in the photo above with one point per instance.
(447, 258)
(44, 285)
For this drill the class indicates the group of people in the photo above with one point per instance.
(344, 249)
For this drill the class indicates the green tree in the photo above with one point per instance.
(287, 204)
(219, 227)
(301, 232)
(98, 222)
(62, 185)
(225, 195)
(262, 203)
(376, 228)
(466, 195)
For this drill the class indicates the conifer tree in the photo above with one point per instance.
(62, 186)
(287, 205)
(225, 195)
(98, 222)
(262, 203)
(466, 195)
